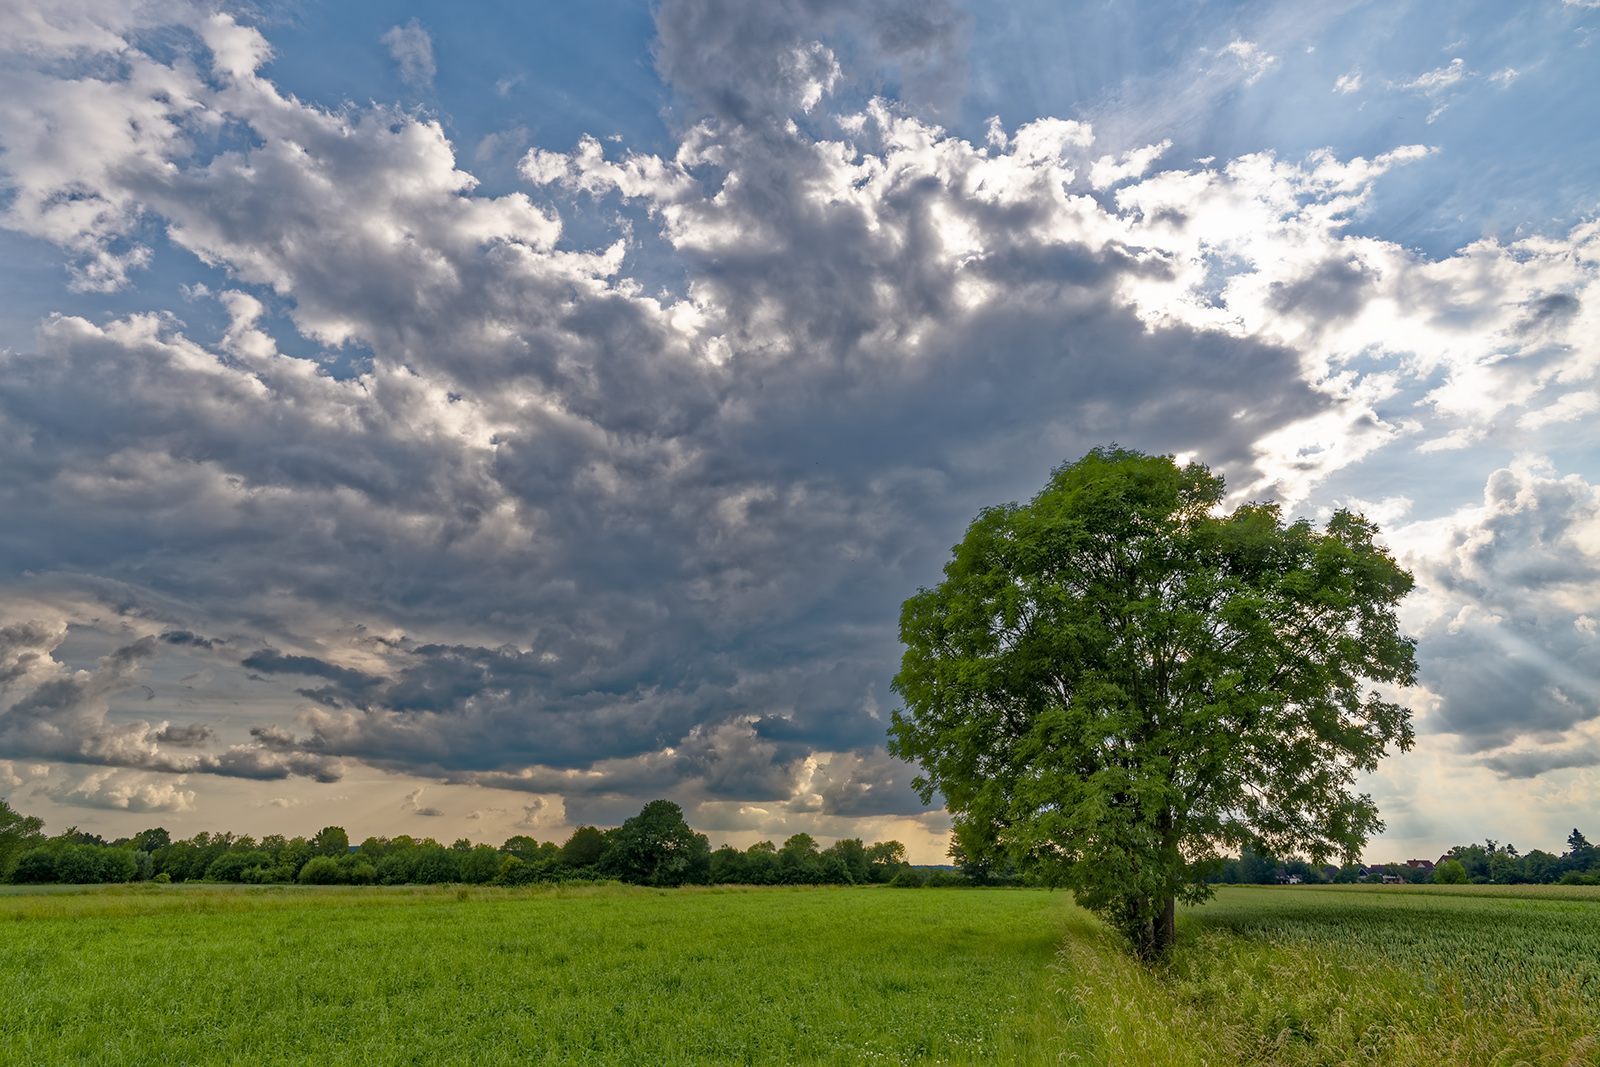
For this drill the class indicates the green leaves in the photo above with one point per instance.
(1113, 682)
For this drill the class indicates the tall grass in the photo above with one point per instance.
(1367, 977)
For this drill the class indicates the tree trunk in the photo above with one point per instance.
(1164, 928)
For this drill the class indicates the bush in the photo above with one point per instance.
(236, 866)
(436, 866)
(162, 879)
(320, 870)
(907, 878)
(480, 865)
(36, 865)
(396, 867)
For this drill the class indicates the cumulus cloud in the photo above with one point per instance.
(119, 791)
(411, 47)
(1507, 586)
(580, 533)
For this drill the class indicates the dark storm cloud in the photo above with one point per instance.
(349, 686)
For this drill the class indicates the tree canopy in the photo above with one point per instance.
(656, 847)
(1115, 682)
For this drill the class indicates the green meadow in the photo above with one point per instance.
(619, 975)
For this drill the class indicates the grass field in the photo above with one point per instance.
(603, 976)
(610, 975)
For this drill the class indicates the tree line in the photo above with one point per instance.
(1490, 863)
(656, 847)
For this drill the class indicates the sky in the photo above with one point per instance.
(482, 419)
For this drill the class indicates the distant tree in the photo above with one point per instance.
(799, 862)
(728, 867)
(235, 866)
(436, 865)
(35, 866)
(152, 839)
(18, 834)
(1257, 868)
(331, 841)
(1581, 855)
(852, 855)
(884, 860)
(1450, 872)
(657, 847)
(294, 855)
(1114, 680)
(1474, 859)
(521, 846)
(974, 859)
(584, 848)
(397, 867)
(480, 865)
(761, 863)
(908, 877)
(320, 870)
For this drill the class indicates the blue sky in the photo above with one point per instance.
(478, 420)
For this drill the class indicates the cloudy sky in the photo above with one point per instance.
(483, 419)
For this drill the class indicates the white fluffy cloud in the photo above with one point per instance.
(119, 791)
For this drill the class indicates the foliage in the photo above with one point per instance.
(583, 848)
(331, 841)
(1113, 683)
(18, 834)
(656, 847)
(320, 870)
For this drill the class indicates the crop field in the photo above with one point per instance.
(612, 975)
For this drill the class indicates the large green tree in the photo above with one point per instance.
(657, 847)
(1116, 682)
